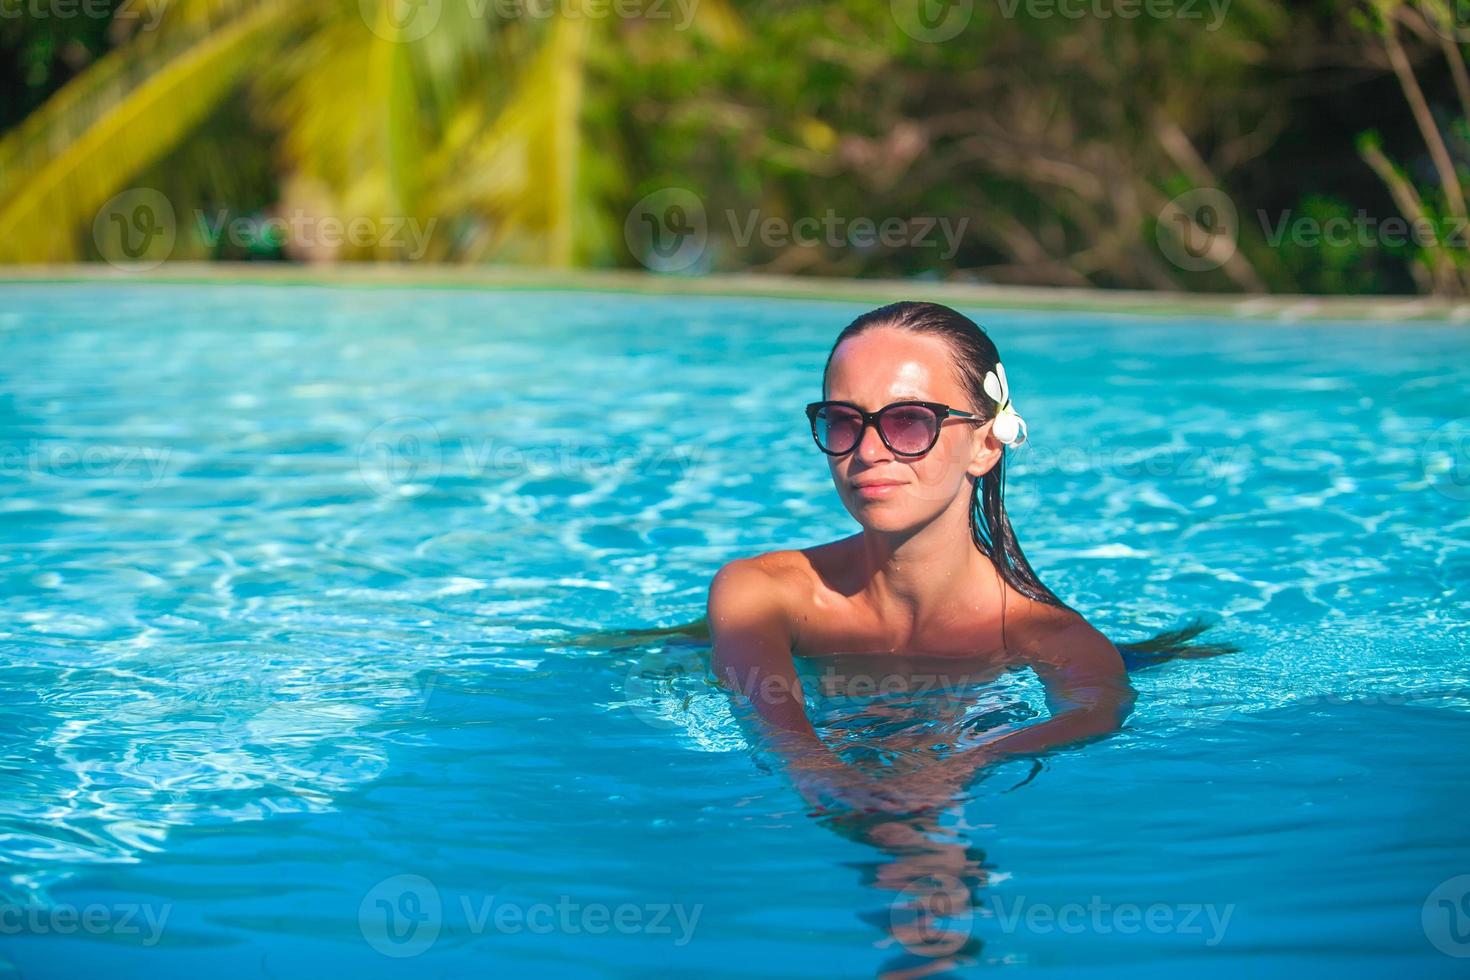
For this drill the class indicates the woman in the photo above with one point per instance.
(915, 421)
(933, 596)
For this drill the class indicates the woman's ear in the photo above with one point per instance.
(986, 453)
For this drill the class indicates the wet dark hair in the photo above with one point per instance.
(974, 356)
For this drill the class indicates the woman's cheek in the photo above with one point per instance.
(936, 480)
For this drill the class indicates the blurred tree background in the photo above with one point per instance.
(1058, 135)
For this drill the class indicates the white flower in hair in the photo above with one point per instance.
(1008, 427)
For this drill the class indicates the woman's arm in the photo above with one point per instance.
(752, 634)
(1086, 685)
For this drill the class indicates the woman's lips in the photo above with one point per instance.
(877, 489)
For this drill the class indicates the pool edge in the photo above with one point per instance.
(1262, 308)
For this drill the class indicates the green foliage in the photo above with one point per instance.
(39, 55)
(1328, 246)
(1053, 143)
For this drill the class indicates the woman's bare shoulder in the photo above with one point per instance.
(780, 581)
(1043, 633)
(788, 566)
(754, 588)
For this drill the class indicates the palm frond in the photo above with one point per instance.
(519, 171)
(117, 118)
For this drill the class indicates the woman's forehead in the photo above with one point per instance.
(890, 365)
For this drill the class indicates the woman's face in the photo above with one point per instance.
(883, 491)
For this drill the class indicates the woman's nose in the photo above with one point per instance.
(870, 447)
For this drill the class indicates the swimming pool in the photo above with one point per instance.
(289, 572)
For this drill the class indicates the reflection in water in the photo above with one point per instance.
(884, 718)
(934, 873)
(893, 751)
(925, 859)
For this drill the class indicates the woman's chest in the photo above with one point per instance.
(853, 632)
(845, 674)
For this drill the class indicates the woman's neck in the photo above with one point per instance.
(929, 575)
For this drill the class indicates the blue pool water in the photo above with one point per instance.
(288, 576)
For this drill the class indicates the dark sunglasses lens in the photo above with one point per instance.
(837, 428)
(909, 429)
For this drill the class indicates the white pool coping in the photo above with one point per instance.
(1237, 306)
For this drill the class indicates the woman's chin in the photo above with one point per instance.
(881, 515)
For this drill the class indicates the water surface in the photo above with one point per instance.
(289, 571)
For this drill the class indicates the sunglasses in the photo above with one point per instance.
(908, 428)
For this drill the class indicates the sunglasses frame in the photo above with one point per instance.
(940, 410)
